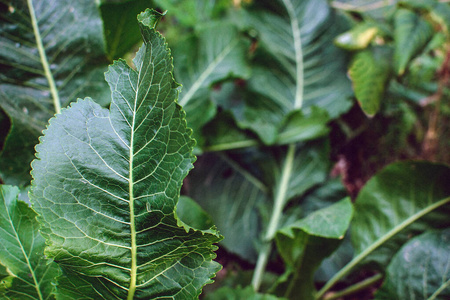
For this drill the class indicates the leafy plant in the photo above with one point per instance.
(267, 89)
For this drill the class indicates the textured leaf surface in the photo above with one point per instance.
(392, 197)
(412, 32)
(45, 64)
(305, 243)
(30, 274)
(369, 72)
(106, 184)
(420, 270)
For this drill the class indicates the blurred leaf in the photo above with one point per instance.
(194, 12)
(357, 38)
(309, 69)
(213, 53)
(412, 33)
(34, 84)
(30, 275)
(108, 182)
(192, 215)
(231, 195)
(369, 72)
(395, 198)
(119, 18)
(305, 243)
(300, 128)
(248, 293)
(420, 269)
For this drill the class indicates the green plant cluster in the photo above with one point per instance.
(103, 116)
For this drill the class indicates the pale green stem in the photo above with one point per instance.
(356, 287)
(440, 290)
(344, 271)
(280, 201)
(298, 53)
(232, 145)
(44, 61)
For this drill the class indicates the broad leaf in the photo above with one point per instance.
(213, 53)
(50, 53)
(231, 195)
(420, 269)
(369, 72)
(412, 32)
(305, 243)
(106, 184)
(392, 205)
(310, 69)
(395, 197)
(30, 274)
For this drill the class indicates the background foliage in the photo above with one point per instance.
(300, 110)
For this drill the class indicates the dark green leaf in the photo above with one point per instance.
(310, 70)
(192, 215)
(213, 53)
(305, 243)
(30, 274)
(231, 195)
(51, 52)
(394, 199)
(119, 19)
(239, 293)
(420, 269)
(412, 33)
(369, 72)
(106, 184)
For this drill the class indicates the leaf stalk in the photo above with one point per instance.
(44, 60)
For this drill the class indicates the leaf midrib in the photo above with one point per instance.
(44, 60)
(198, 83)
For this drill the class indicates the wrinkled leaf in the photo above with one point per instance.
(412, 32)
(420, 269)
(369, 72)
(108, 181)
(30, 275)
(34, 84)
(305, 243)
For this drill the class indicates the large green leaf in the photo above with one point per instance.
(395, 197)
(420, 269)
(310, 70)
(412, 32)
(30, 274)
(394, 204)
(51, 52)
(369, 72)
(106, 184)
(305, 243)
